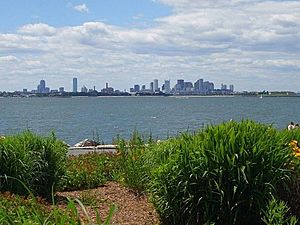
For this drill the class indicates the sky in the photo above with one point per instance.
(253, 44)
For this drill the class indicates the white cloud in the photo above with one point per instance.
(8, 58)
(39, 29)
(248, 43)
(81, 8)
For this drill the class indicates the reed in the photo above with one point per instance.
(37, 161)
(225, 174)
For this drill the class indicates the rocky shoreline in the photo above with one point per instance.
(88, 145)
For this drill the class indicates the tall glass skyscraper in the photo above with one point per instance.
(167, 87)
(41, 88)
(156, 85)
(74, 85)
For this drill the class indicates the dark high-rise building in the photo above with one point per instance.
(136, 88)
(74, 85)
(155, 85)
(41, 88)
(198, 86)
(152, 87)
(167, 87)
(180, 85)
(188, 86)
(208, 86)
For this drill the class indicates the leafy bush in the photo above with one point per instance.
(225, 174)
(39, 162)
(134, 162)
(87, 171)
(276, 214)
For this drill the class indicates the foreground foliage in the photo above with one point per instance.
(236, 173)
(38, 162)
(18, 210)
(87, 171)
(225, 174)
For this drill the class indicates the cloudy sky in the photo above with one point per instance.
(253, 44)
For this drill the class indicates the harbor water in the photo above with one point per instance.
(104, 118)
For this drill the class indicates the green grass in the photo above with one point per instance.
(236, 173)
(276, 213)
(37, 161)
(225, 174)
(18, 210)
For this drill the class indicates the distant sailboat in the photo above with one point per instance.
(260, 96)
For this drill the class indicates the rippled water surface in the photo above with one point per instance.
(74, 119)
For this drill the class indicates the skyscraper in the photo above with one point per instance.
(198, 86)
(167, 87)
(156, 85)
(74, 85)
(151, 87)
(180, 85)
(41, 88)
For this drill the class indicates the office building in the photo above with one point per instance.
(223, 87)
(167, 87)
(136, 88)
(41, 88)
(152, 87)
(188, 86)
(74, 85)
(84, 89)
(180, 85)
(61, 90)
(156, 85)
(198, 86)
(231, 87)
(208, 87)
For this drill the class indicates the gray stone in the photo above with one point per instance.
(87, 143)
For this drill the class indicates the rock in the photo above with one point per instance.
(87, 143)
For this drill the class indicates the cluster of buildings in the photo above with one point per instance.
(43, 89)
(183, 87)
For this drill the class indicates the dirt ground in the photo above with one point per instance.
(131, 209)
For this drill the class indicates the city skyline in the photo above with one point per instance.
(131, 41)
(166, 86)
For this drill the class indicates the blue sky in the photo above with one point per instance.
(16, 13)
(253, 44)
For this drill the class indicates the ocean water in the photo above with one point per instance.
(103, 118)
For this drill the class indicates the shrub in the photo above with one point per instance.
(39, 162)
(87, 171)
(225, 174)
(133, 162)
(276, 214)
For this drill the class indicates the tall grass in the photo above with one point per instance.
(37, 161)
(276, 213)
(225, 174)
(133, 162)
